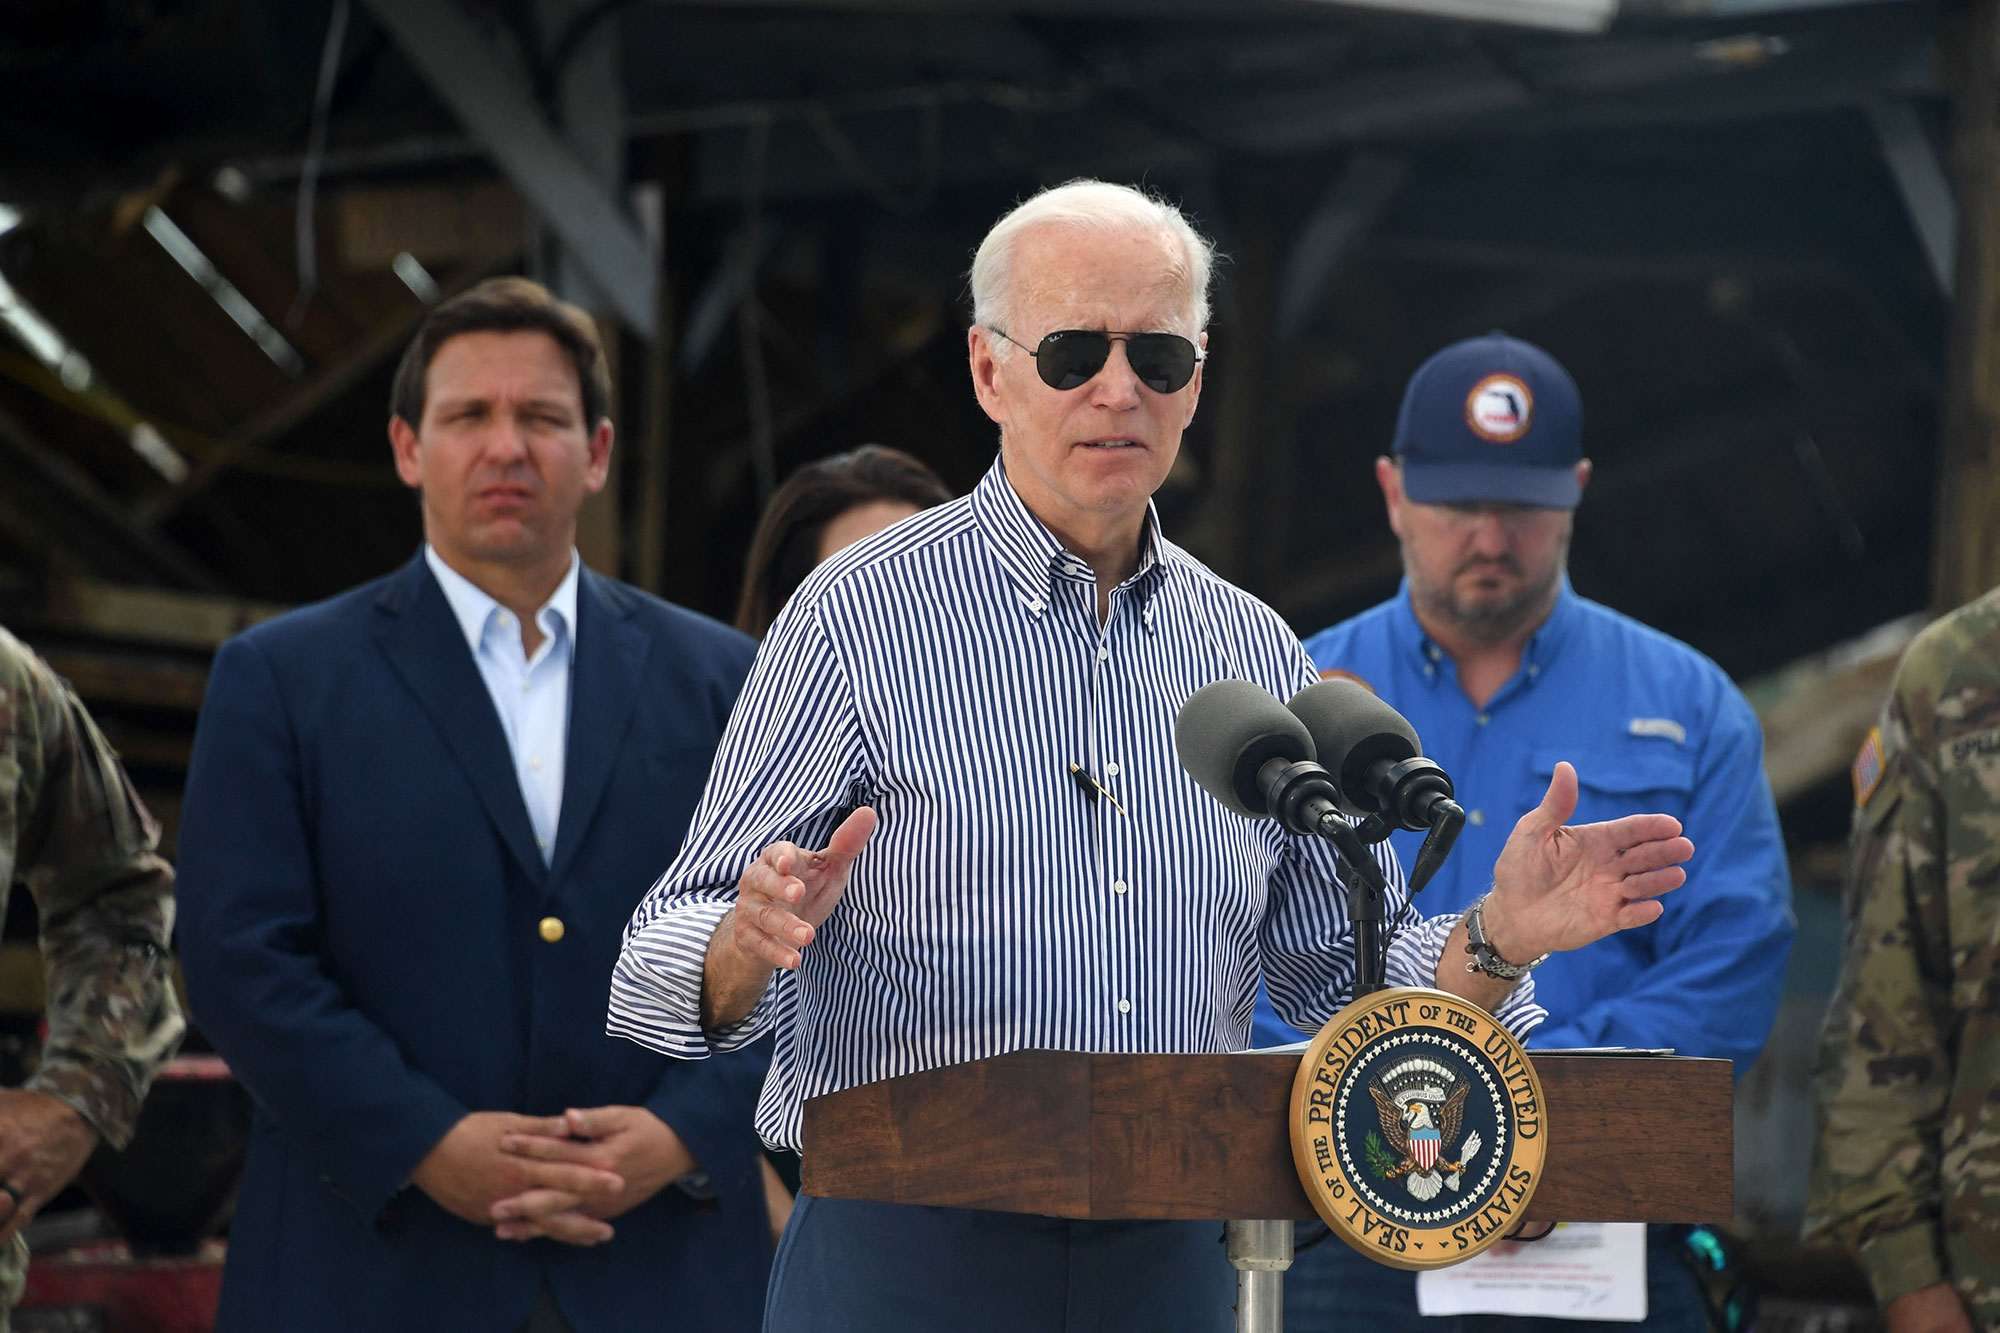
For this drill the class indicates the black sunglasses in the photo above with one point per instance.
(1071, 358)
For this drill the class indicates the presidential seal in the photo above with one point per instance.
(1418, 1127)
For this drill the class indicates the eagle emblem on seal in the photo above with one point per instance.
(1421, 1105)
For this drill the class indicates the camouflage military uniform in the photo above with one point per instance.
(73, 830)
(1907, 1164)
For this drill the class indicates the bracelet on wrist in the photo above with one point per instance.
(1485, 958)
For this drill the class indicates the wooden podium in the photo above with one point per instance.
(1632, 1138)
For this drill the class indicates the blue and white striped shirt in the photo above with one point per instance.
(948, 672)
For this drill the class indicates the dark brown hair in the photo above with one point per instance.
(505, 305)
(786, 545)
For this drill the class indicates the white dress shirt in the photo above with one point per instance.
(531, 694)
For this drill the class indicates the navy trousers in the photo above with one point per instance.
(845, 1265)
(1332, 1289)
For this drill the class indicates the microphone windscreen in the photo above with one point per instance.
(1228, 730)
(1350, 730)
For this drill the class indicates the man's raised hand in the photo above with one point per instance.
(1559, 886)
(787, 892)
(782, 898)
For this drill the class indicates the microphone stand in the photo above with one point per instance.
(1367, 891)
(1301, 796)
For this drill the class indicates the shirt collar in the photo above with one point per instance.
(473, 607)
(1030, 554)
(1555, 631)
(1543, 645)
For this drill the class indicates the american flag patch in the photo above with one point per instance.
(1868, 766)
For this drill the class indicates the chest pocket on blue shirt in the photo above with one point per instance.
(1642, 777)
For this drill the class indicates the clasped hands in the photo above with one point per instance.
(562, 1177)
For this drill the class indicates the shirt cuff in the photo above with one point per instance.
(1900, 1262)
(656, 987)
(1414, 956)
(106, 1102)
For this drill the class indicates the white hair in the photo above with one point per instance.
(1090, 205)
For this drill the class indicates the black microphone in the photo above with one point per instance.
(1377, 761)
(1373, 752)
(1257, 757)
(1254, 755)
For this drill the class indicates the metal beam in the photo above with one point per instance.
(484, 85)
(365, 357)
(1351, 206)
(1924, 183)
(134, 615)
(160, 555)
(1816, 711)
(589, 105)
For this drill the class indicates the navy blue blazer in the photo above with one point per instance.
(360, 899)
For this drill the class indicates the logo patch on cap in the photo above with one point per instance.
(1498, 409)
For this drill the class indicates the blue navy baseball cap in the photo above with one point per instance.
(1491, 420)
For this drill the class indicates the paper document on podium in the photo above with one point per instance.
(1582, 1270)
(1599, 1050)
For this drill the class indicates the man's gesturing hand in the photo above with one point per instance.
(787, 892)
(781, 900)
(1560, 887)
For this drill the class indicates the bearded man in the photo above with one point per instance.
(1505, 672)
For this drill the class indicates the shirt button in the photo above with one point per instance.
(525, 687)
(1476, 817)
(1533, 671)
(1124, 1006)
(551, 928)
(505, 619)
(1111, 770)
(1104, 652)
(542, 843)
(535, 762)
(1036, 606)
(1430, 671)
(1432, 650)
(1118, 886)
(1482, 719)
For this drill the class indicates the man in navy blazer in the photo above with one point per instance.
(417, 820)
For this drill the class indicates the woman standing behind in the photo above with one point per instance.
(824, 507)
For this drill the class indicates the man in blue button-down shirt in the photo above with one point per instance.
(1504, 671)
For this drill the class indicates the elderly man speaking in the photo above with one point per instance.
(916, 716)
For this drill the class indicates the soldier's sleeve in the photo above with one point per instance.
(1884, 1070)
(105, 897)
